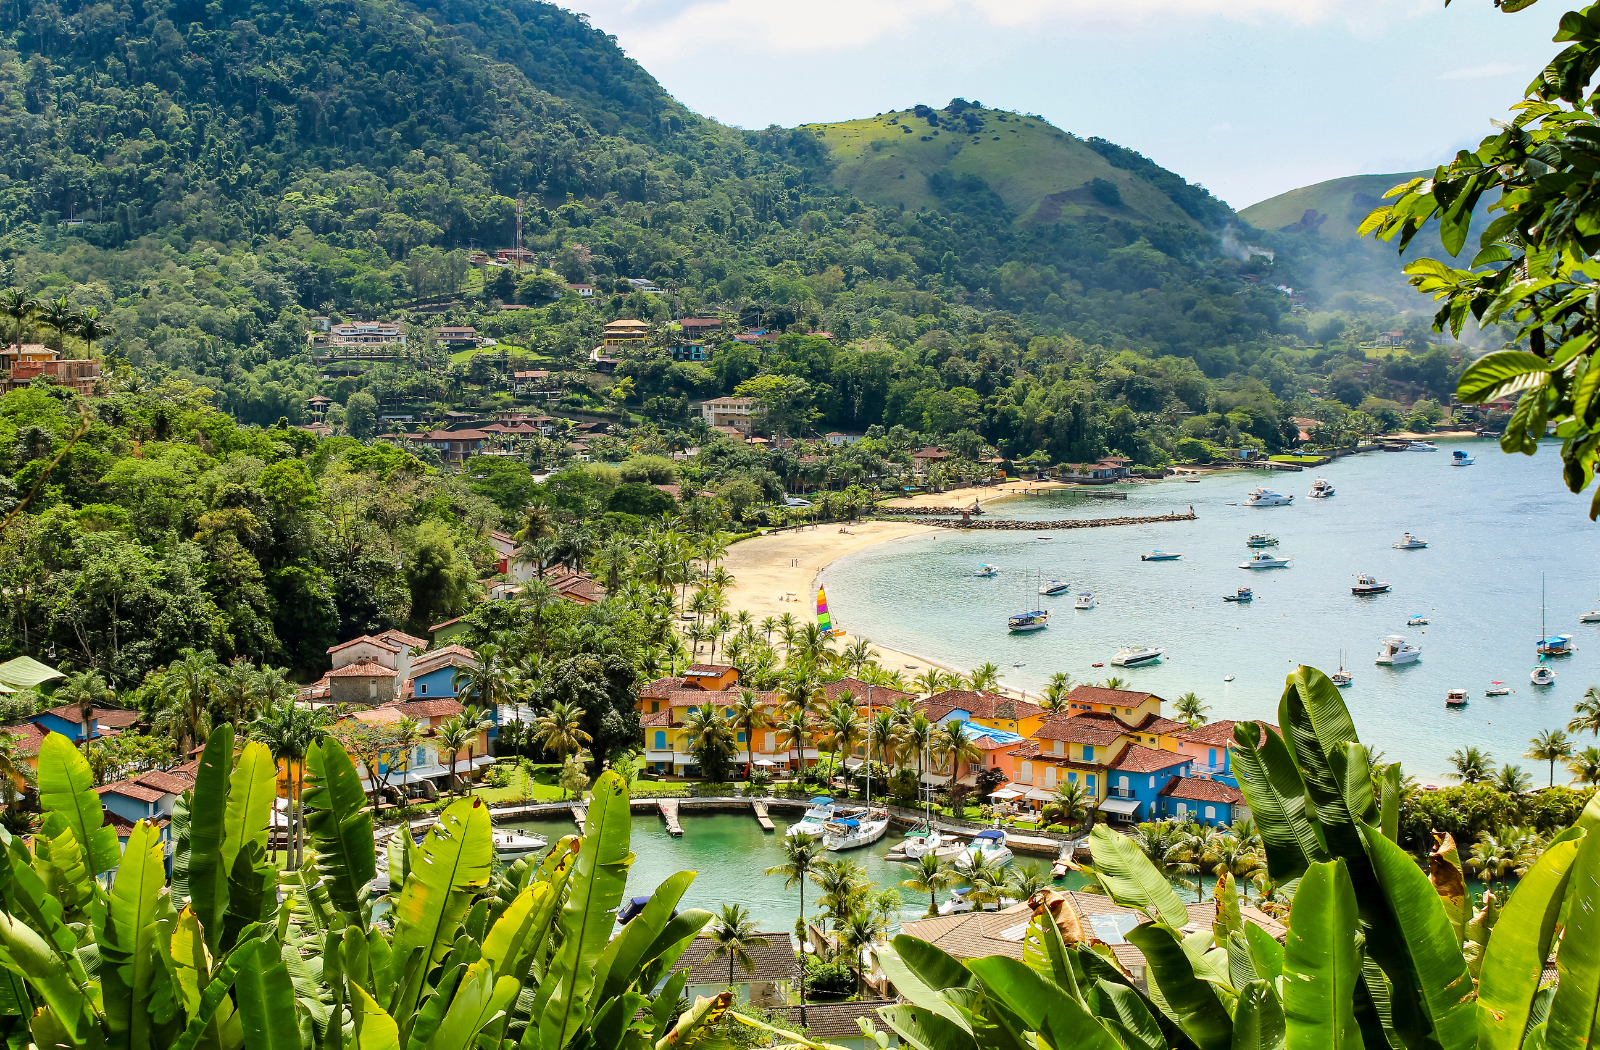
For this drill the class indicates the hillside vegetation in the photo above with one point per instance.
(1334, 209)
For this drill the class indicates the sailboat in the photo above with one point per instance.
(1592, 616)
(1032, 620)
(825, 621)
(865, 827)
(1556, 644)
(1341, 677)
(1542, 674)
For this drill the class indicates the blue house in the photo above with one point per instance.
(433, 677)
(68, 721)
(149, 796)
(1134, 782)
(1208, 802)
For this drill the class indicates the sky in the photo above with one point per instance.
(1248, 97)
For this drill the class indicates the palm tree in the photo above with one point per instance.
(1072, 804)
(188, 683)
(1588, 713)
(768, 625)
(84, 690)
(952, 742)
(750, 714)
(21, 308)
(1168, 845)
(60, 316)
(800, 853)
(858, 654)
(930, 874)
(91, 329)
(236, 690)
(1551, 745)
(1023, 881)
(485, 682)
(844, 728)
(289, 731)
(1191, 710)
(709, 736)
(861, 932)
(612, 561)
(916, 737)
(734, 934)
(454, 735)
(1472, 765)
(1585, 766)
(842, 883)
(1115, 682)
(1511, 780)
(985, 679)
(560, 730)
(928, 682)
(883, 736)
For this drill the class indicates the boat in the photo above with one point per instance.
(1394, 649)
(1593, 616)
(1263, 498)
(1029, 621)
(1417, 621)
(818, 812)
(824, 621)
(1542, 675)
(1261, 539)
(634, 905)
(1368, 584)
(1245, 595)
(922, 841)
(1456, 698)
(1422, 446)
(1131, 657)
(990, 844)
(1322, 488)
(1459, 458)
(986, 570)
(1085, 601)
(511, 845)
(1055, 587)
(958, 904)
(1409, 542)
(1557, 645)
(855, 832)
(1341, 677)
(1227, 678)
(1263, 560)
(1497, 689)
(1160, 556)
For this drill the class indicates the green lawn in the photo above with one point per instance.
(1295, 459)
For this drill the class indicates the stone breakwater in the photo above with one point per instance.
(1076, 523)
(937, 512)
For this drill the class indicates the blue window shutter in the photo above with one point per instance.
(1089, 783)
(1212, 760)
(661, 740)
(739, 737)
(1088, 752)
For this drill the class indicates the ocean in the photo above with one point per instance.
(1496, 530)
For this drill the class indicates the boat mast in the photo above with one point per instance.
(869, 748)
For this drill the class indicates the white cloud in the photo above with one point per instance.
(1493, 69)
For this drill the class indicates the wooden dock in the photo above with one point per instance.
(761, 815)
(580, 812)
(669, 813)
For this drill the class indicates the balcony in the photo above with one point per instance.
(1121, 792)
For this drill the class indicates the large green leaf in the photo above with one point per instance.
(595, 889)
(624, 957)
(251, 791)
(264, 996)
(1127, 1013)
(924, 1030)
(474, 1004)
(1180, 978)
(1572, 1011)
(1258, 1022)
(912, 987)
(1434, 952)
(1032, 998)
(51, 976)
(1266, 954)
(451, 868)
(125, 932)
(1499, 374)
(374, 1028)
(1515, 956)
(1277, 798)
(696, 1024)
(212, 1004)
(339, 826)
(1315, 721)
(1321, 964)
(66, 786)
(63, 867)
(1131, 880)
(198, 857)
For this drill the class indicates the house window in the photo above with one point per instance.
(1072, 778)
(1152, 781)
(739, 737)
(655, 705)
(1211, 812)
(422, 688)
(1183, 810)
(1025, 774)
(661, 740)
(1050, 776)
(771, 742)
(1122, 782)
(1088, 752)
(727, 712)
(1088, 783)
(692, 710)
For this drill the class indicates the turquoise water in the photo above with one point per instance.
(1493, 528)
(731, 852)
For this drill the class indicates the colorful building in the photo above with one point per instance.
(1204, 801)
(980, 707)
(1211, 747)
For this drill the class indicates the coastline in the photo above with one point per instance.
(769, 569)
(965, 495)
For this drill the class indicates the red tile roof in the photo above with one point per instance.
(28, 737)
(1136, 758)
(1079, 731)
(657, 718)
(379, 642)
(1219, 733)
(711, 670)
(980, 704)
(69, 712)
(115, 718)
(1198, 790)
(881, 694)
(441, 708)
(392, 636)
(447, 623)
(1093, 694)
(661, 688)
(132, 789)
(171, 782)
(1156, 725)
(363, 669)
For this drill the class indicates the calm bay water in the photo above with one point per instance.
(1493, 528)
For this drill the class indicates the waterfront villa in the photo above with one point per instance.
(983, 708)
(1211, 747)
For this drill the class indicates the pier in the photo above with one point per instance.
(1014, 525)
(580, 812)
(668, 808)
(760, 809)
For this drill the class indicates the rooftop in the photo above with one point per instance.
(980, 704)
(1136, 758)
(1219, 733)
(1093, 694)
(1198, 790)
(363, 669)
(773, 962)
(368, 639)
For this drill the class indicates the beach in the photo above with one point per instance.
(963, 497)
(777, 574)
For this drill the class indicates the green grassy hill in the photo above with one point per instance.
(1041, 173)
(1333, 208)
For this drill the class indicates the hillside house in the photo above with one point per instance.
(928, 457)
(769, 984)
(699, 328)
(454, 446)
(148, 796)
(317, 407)
(1211, 748)
(585, 291)
(982, 708)
(736, 412)
(625, 334)
(21, 364)
(355, 336)
(1136, 780)
(1204, 801)
(458, 336)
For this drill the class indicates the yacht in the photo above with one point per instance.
(1557, 645)
(1029, 621)
(819, 811)
(1263, 498)
(958, 904)
(986, 570)
(1261, 539)
(1055, 587)
(1160, 556)
(1422, 446)
(1409, 542)
(1131, 657)
(855, 832)
(513, 845)
(1542, 675)
(1368, 584)
(1394, 649)
(1085, 601)
(990, 844)
(1459, 458)
(923, 840)
(1263, 560)
(1245, 595)
(1341, 677)
(1497, 689)
(1322, 488)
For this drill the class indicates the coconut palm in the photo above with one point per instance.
(187, 685)
(1115, 682)
(930, 874)
(1512, 780)
(928, 682)
(985, 678)
(858, 654)
(1472, 765)
(883, 737)
(1190, 710)
(84, 690)
(559, 729)
(1585, 766)
(454, 736)
(916, 738)
(843, 883)
(800, 853)
(985, 878)
(709, 736)
(1024, 880)
(1170, 846)
(734, 934)
(844, 728)
(91, 329)
(20, 308)
(1552, 746)
(863, 929)
(750, 714)
(289, 731)
(236, 690)
(953, 743)
(59, 315)
(1071, 805)
(794, 732)
(1587, 712)
(768, 625)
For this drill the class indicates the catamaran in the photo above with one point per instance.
(825, 621)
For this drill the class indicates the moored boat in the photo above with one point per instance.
(1417, 621)
(1129, 656)
(1263, 560)
(1557, 645)
(855, 832)
(510, 845)
(1341, 677)
(1265, 498)
(1159, 555)
(986, 570)
(1394, 650)
(1422, 446)
(1055, 587)
(818, 812)
(1459, 458)
(1497, 689)
(1085, 601)
(990, 844)
(1542, 675)
(1456, 698)
(1409, 542)
(1029, 621)
(1245, 594)
(1261, 539)
(1322, 488)
(1368, 584)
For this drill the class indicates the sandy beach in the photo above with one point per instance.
(777, 574)
(963, 497)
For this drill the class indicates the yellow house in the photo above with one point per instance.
(983, 708)
(623, 334)
(1127, 704)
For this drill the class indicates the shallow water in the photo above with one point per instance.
(1493, 528)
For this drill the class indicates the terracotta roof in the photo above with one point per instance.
(363, 669)
(714, 697)
(881, 694)
(1157, 725)
(115, 718)
(170, 781)
(661, 688)
(369, 639)
(975, 934)
(132, 789)
(713, 670)
(774, 962)
(28, 737)
(124, 826)
(835, 1021)
(930, 453)
(377, 715)
(441, 708)
(1078, 731)
(447, 623)
(1219, 733)
(982, 704)
(1136, 758)
(68, 712)
(1093, 694)
(1202, 790)
(657, 718)
(393, 636)
(449, 656)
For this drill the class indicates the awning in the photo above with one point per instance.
(483, 760)
(1127, 807)
(852, 762)
(1040, 795)
(936, 779)
(764, 762)
(970, 780)
(1008, 792)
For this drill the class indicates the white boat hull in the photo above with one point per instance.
(1134, 659)
(866, 835)
(1542, 676)
(1590, 617)
(1275, 563)
(1391, 659)
(1021, 628)
(994, 858)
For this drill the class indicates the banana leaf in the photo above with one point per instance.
(913, 988)
(924, 1030)
(251, 790)
(1514, 959)
(1572, 1011)
(453, 868)
(63, 867)
(27, 897)
(66, 786)
(1277, 798)
(1033, 998)
(430, 1016)
(933, 965)
(694, 1024)
(48, 973)
(1179, 976)
(198, 864)
(374, 1028)
(264, 996)
(1258, 1022)
(1449, 882)
(611, 1023)
(624, 957)
(338, 825)
(1131, 880)
(125, 931)
(1389, 805)
(252, 893)
(1130, 1017)
(1266, 954)
(664, 1005)
(1321, 965)
(594, 890)
(1315, 721)
(672, 942)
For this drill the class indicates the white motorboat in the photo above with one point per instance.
(1055, 587)
(1394, 649)
(1263, 560)
(1029, 621)
(1159, 555)
(958, 904)
(990, 844)
(512, 845)
(1417, 621)
(855, 832)
(923, 841)
(1456, 698)
(1542, 675)
(1264, 498)
(1085, 601)
(1322, 488)
(1366, 583)
(1409, 542)
(986, 570)
(1422, 446)
(818, 812)
(1131, 657)
(1459, 458)
(1497, 689)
